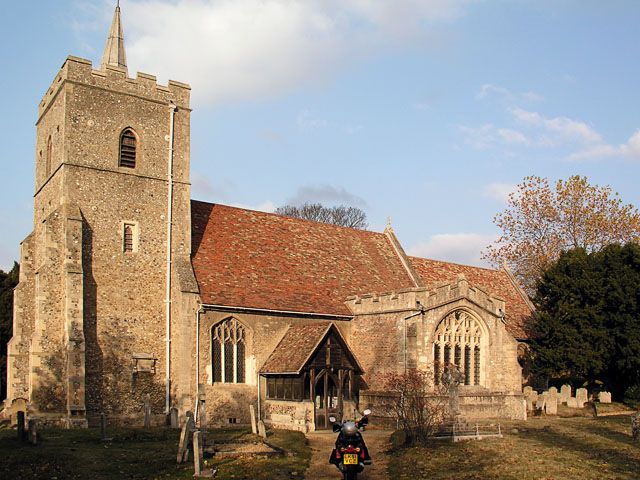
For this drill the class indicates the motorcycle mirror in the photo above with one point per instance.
(367, 412)
(332, 419)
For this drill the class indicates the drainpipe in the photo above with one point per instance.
(259, 402)
(197, 403)
(167, 403)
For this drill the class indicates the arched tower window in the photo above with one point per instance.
(128, 148)
(461, 333)
(228, 352)
(47, 158)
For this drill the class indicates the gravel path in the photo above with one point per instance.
(321, 444)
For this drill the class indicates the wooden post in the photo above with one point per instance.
(173, 418)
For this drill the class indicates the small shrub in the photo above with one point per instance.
(632, 393)
(418, 406)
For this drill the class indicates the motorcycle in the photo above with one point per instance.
(351, 453)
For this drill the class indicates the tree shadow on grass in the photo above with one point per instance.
(620, 462)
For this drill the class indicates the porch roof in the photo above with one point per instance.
(299, 344)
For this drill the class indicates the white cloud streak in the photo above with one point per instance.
(498, 191)
(239, 49)
(327, 195)
(462, 248)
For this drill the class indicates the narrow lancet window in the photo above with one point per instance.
(128, 148)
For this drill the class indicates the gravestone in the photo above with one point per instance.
(33, 432)
(262, 431)
(572, 402)
(527, 390)
(604, 397)
(197, 453)
(635, 426)
(254, 428)
(551, 405)
(185, 436)
(147, 411)
(21, 428)
(541, 401)
(565, 393)
(173, 418)
(582, 396)
(553, 392)
(103, 428)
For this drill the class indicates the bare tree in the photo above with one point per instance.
(340, 215)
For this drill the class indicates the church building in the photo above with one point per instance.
(130, 291)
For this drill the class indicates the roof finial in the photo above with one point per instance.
(388, 222)
(114, 53)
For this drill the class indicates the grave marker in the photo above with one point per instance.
(254, 428)
(604, 397)
(565, 393)
(33, 432)
(21, 429)
(185, 435)
(582, 397)
(262, 431)
(147, 411)
(173, 418)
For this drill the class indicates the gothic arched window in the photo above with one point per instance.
(128, 148)
(228, 352)
(461, 333)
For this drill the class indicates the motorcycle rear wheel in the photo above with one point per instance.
(350, 476)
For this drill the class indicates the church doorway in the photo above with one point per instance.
(328, 399)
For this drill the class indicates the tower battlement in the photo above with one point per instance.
(80, 71)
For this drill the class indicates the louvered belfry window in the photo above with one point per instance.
(128, 148)
(129, 240)
(228, 352)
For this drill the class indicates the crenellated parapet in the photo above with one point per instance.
(427, 299)
(76, 70)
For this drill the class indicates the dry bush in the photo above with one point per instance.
(419, 407)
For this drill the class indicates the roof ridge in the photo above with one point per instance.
(455, 263)
(273, 214)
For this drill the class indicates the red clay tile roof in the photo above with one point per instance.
(494, 282)
(298, 345)
(260, 260)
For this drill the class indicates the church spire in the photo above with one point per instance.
(114, 53)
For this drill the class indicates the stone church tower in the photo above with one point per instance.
(103, 303)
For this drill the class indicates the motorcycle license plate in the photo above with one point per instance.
(350, 459)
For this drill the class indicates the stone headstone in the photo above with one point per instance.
(604, 397)
(572, 402)
(147, 411)
(262, 431)
(33, 432)
(185, 435)
(398, 438)
(197, 453)
(173, 418)
(103, 428)
(541, 401)
(553, 392)
(635, 426)
(551, 405)
(254, 427)
(582, 396)
(21, 427)
(530, 404)
(527, 390)
(565, 393)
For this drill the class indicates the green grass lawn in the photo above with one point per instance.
(139, 454)
(543, 448)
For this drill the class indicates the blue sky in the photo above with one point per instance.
(427, 111)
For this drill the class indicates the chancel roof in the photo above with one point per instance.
(494, 282)
(259, 260)
(256, 260)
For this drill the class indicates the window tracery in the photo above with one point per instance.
(460, 334)
(228, 352)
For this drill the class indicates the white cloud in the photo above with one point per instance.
(630, 150)
(307, 121)
(327, 195)
(488, 90)
(498, 191)
(511, 136)
(266, 206)
(462, 248)
(487, 135)
(229, 49)
(565, 129)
